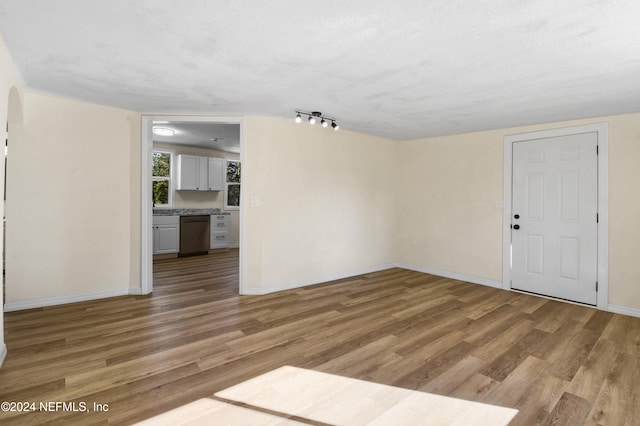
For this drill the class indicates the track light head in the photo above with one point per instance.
(312, 119)
(324, 123)
(298, 118)
(334, 125)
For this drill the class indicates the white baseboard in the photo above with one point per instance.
(617, 309)
(304, 283)
(62, 300)
(452, 275)
(3, 353)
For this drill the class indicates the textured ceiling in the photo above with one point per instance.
(401, 69)
(215, 136)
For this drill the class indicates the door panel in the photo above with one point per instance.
(535, 251)
(555, 198)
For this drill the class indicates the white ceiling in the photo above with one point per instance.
(217, 136)
(401, 69)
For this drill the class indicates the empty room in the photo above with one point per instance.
(334, 213)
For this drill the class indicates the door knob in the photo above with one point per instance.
(516, 226)
(517, 216)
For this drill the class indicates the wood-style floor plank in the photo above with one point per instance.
(557, 363)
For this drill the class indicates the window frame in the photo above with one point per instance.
(163, 178)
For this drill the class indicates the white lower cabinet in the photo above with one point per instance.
(219, 226)
(166, 234)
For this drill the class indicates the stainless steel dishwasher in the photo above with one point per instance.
(194, 235)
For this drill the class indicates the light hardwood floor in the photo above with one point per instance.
(557, 363)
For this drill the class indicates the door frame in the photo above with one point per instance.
(602, 131)
(146, 210)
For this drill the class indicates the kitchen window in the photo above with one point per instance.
(161, 178)
(232, 185)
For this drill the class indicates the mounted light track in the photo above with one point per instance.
(313, 118)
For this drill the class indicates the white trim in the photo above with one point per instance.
(325, 279)
(624, 310)
(62, 300)
(3, 354)
(242, 217)
(146, 209)
(452, 275)
(146, 232)
(602, 130)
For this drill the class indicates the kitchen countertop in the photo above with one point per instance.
(187, 212)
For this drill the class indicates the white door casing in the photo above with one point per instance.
(146, 231)
(566, 244)
(554, 235)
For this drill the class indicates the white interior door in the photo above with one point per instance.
(554, 232)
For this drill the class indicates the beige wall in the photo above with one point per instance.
(329, 204)
(204, 199)
(325, 203)
(624, 210)
(449, 194)
(447, 191)
(69, 200)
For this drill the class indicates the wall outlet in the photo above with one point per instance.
(255, 201)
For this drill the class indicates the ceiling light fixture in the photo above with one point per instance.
(314, 116)
(163, 131)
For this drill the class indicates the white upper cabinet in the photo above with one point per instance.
(197, 173)
(216, 174)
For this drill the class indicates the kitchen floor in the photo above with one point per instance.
(213, 274)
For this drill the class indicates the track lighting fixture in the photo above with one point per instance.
(314, 116)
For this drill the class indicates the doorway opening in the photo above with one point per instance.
(527, 260)
(212, 138)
